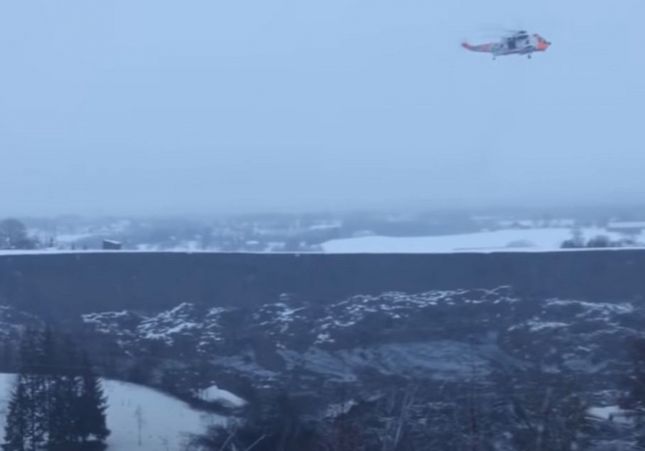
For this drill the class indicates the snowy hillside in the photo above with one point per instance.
(165, 421)
(538, 239)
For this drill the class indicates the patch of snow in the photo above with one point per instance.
(105, 316)
(536, 326)
(323, 337)
(398, 305)
(182, 327)
(111, 322)
(146, 247)
(287, 312)
(215, 311)
(335, 410)
(166, 324)
(609, 413)
(326, 226)
(182, 321)
(602, 308)
(221, 396)
(279, 314)
(69, 238)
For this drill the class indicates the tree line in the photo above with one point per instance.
(14, 235)
(57, 403)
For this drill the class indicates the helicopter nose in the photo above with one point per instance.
(543, 44)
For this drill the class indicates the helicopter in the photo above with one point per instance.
(517, 43)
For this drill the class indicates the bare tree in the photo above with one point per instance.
(398, 411)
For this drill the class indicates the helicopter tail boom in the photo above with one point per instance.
(484, 48)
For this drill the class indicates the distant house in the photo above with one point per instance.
(112, 245)
(517, 224)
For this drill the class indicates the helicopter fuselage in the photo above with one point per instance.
(518, 44)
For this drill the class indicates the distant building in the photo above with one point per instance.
(517, 224)
(112, 245)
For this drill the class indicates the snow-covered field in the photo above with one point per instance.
(166, 422)
(538, 239)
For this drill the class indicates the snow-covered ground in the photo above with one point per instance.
(542, 239)
(166, 422)
(610, 413)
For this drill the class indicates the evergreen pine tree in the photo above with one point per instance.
(58, 403)
(16, 426)
(64, 392)
(50, 368)
(92, 405)
(31, 379)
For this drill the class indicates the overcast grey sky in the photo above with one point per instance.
(156, 106)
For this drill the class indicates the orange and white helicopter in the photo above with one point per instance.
(517, 43)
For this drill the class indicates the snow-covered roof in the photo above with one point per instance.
(221, 396)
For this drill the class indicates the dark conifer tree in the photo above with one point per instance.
(50, 367)
(64, 390)
(92, 405)
(58, 403)
(31, 379)
(16, 426)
